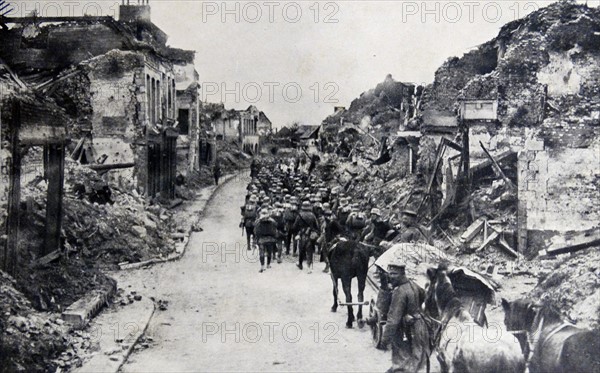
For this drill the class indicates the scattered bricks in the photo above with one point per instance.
(139, 231)
(82, 311)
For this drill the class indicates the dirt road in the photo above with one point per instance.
(223, 315)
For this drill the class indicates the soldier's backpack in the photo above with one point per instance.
(289, 215)
(266, 227)
(250, 213)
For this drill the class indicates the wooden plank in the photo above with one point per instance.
(48, 258)
(493, 237)
(479, 169)
(579, 242)
(42, 135)
(498, 169)
(504, 245)
(472, 230)
(453, 145)
(102, 167)
(438, 159)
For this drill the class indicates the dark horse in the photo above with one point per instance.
(554, 345)
(462, 345)
(347, 260)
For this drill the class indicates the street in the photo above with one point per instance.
(223, 315)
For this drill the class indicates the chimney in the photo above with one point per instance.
(134, 13)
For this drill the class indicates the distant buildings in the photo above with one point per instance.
(249, 127)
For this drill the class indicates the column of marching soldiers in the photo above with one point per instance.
(288, 210)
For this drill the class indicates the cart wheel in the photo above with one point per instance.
(377, 335)
(376, 329)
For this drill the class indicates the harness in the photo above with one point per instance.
(530, 338)
(554, 331)
(441, 350)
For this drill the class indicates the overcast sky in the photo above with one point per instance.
(294, 60)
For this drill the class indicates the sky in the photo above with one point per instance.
(297, 60)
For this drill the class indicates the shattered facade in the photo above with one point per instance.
(117, 81)
(188, 111)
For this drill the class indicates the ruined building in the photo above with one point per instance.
(249, 127)
(118, 80)
(536, 91)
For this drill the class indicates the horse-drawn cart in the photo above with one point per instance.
(474, 290)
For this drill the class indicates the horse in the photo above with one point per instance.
(349, 259)
(459, 338)
(554, 345)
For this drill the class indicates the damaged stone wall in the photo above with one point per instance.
(117, 97)
(559, 192)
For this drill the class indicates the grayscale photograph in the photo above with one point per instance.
(350, 186)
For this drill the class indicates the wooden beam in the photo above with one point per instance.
(498, 169)
(54, 213)
(472, 230)
(49, 258)
(493, 237)
(9, 260)
(438, 159)
(42, 135)
(504, 245)
(112, 166)
(579, 242)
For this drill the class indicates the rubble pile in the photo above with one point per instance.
(29, 340)
(522, 68)
(103, 225)
(124, 227)
(230, 157)
(382, 111)
(572, 283)
(55, 286)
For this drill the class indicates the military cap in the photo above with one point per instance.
(396, 267)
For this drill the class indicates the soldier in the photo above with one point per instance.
(343, 211)
(308, 226)
(405, 329)
(254, 168)
(378, 228)
(249, 214)
(411, 232)
(266, 237)
(217, 172)
(332, 231)
(277, 215)
(289, 216)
